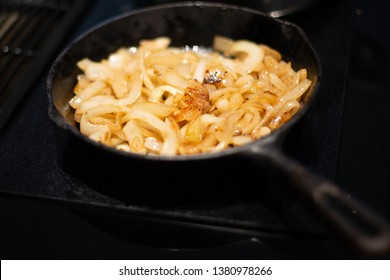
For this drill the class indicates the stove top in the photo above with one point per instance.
(49, 212)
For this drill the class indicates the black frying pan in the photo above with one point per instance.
(197, 24)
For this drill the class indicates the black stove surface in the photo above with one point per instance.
(47, 212)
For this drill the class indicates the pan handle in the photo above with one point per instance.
(368, 232)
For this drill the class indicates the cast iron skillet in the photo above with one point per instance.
(196, 23)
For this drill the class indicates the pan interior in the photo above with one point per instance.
(185, 25)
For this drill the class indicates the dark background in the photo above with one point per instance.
(354, 153)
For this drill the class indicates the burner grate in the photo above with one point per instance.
(30, 32)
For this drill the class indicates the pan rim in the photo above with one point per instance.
(267, 141)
